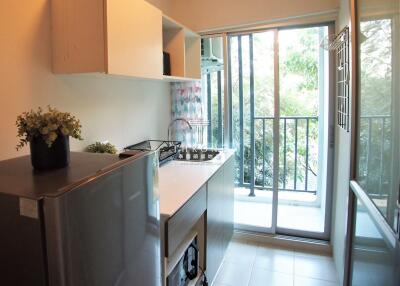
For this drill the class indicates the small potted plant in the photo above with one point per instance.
(47, 133)
(99, 147)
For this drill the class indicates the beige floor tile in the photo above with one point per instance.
(315, 268)
(234, 274)
(263, 277)
(312, 255)
(304, 281)
(268, 249)
(241, 252)
(253, 264)
(275, 260)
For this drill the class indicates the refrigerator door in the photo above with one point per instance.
(106, 232)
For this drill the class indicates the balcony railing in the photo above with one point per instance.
(298, 155)
(375, 154)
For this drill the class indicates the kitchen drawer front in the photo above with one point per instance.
(180, 224)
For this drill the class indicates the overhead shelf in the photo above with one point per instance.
(127, 39)
(184, 48)
(179, 79)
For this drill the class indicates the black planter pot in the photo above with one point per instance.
(45, 158)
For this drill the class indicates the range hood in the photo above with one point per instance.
(212, 55)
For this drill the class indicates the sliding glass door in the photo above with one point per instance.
(252, 95)
(303, 192)
(280, 116)
(374, 248)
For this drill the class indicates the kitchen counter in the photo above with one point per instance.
(180, 180)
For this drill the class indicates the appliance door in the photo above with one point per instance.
(106, 232)
(375, 254)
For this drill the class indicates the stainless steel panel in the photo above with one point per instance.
(106, 232)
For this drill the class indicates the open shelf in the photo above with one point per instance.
(184, 49)
(171, 78)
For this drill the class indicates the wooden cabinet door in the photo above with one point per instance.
(78, 36)
(134, 39)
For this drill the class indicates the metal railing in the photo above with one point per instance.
(297, 166)
(375, 154)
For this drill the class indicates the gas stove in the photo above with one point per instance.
(167, 150)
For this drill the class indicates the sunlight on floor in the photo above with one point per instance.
(296, 210)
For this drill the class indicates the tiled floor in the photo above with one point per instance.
(250, 264)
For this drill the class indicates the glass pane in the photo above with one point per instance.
(373, 259)
(212, 65)
(303, 67)
(378, 138)
(253, 212)
(264, 74)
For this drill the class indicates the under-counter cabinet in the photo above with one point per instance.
(196, 200)
(123, 38)
(220, 204)
(180, 230)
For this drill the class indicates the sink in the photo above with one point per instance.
(196, 155)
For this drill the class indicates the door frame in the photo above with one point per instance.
(328, 183)
(355, 189)
(228, 130)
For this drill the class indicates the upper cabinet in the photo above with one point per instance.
(120, 37)
(184, 49)
(134, 38)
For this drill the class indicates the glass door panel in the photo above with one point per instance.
(279, 94)
(379, 121)
(252, 84)
(375, 254)
(303, 69)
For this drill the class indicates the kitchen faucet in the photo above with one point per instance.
(175, 120)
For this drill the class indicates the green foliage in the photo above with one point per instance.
(299, 96)
(376, 68)
(48, 125)
(375, 154)
(301, 60)
(99, 147)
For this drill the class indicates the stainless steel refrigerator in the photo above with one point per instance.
(94, 223)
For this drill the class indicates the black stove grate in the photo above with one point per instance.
(167, 150)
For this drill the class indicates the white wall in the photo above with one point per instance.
(341, 173)
(210, 14)
(122, 111)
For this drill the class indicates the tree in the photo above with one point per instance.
(299, 97)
